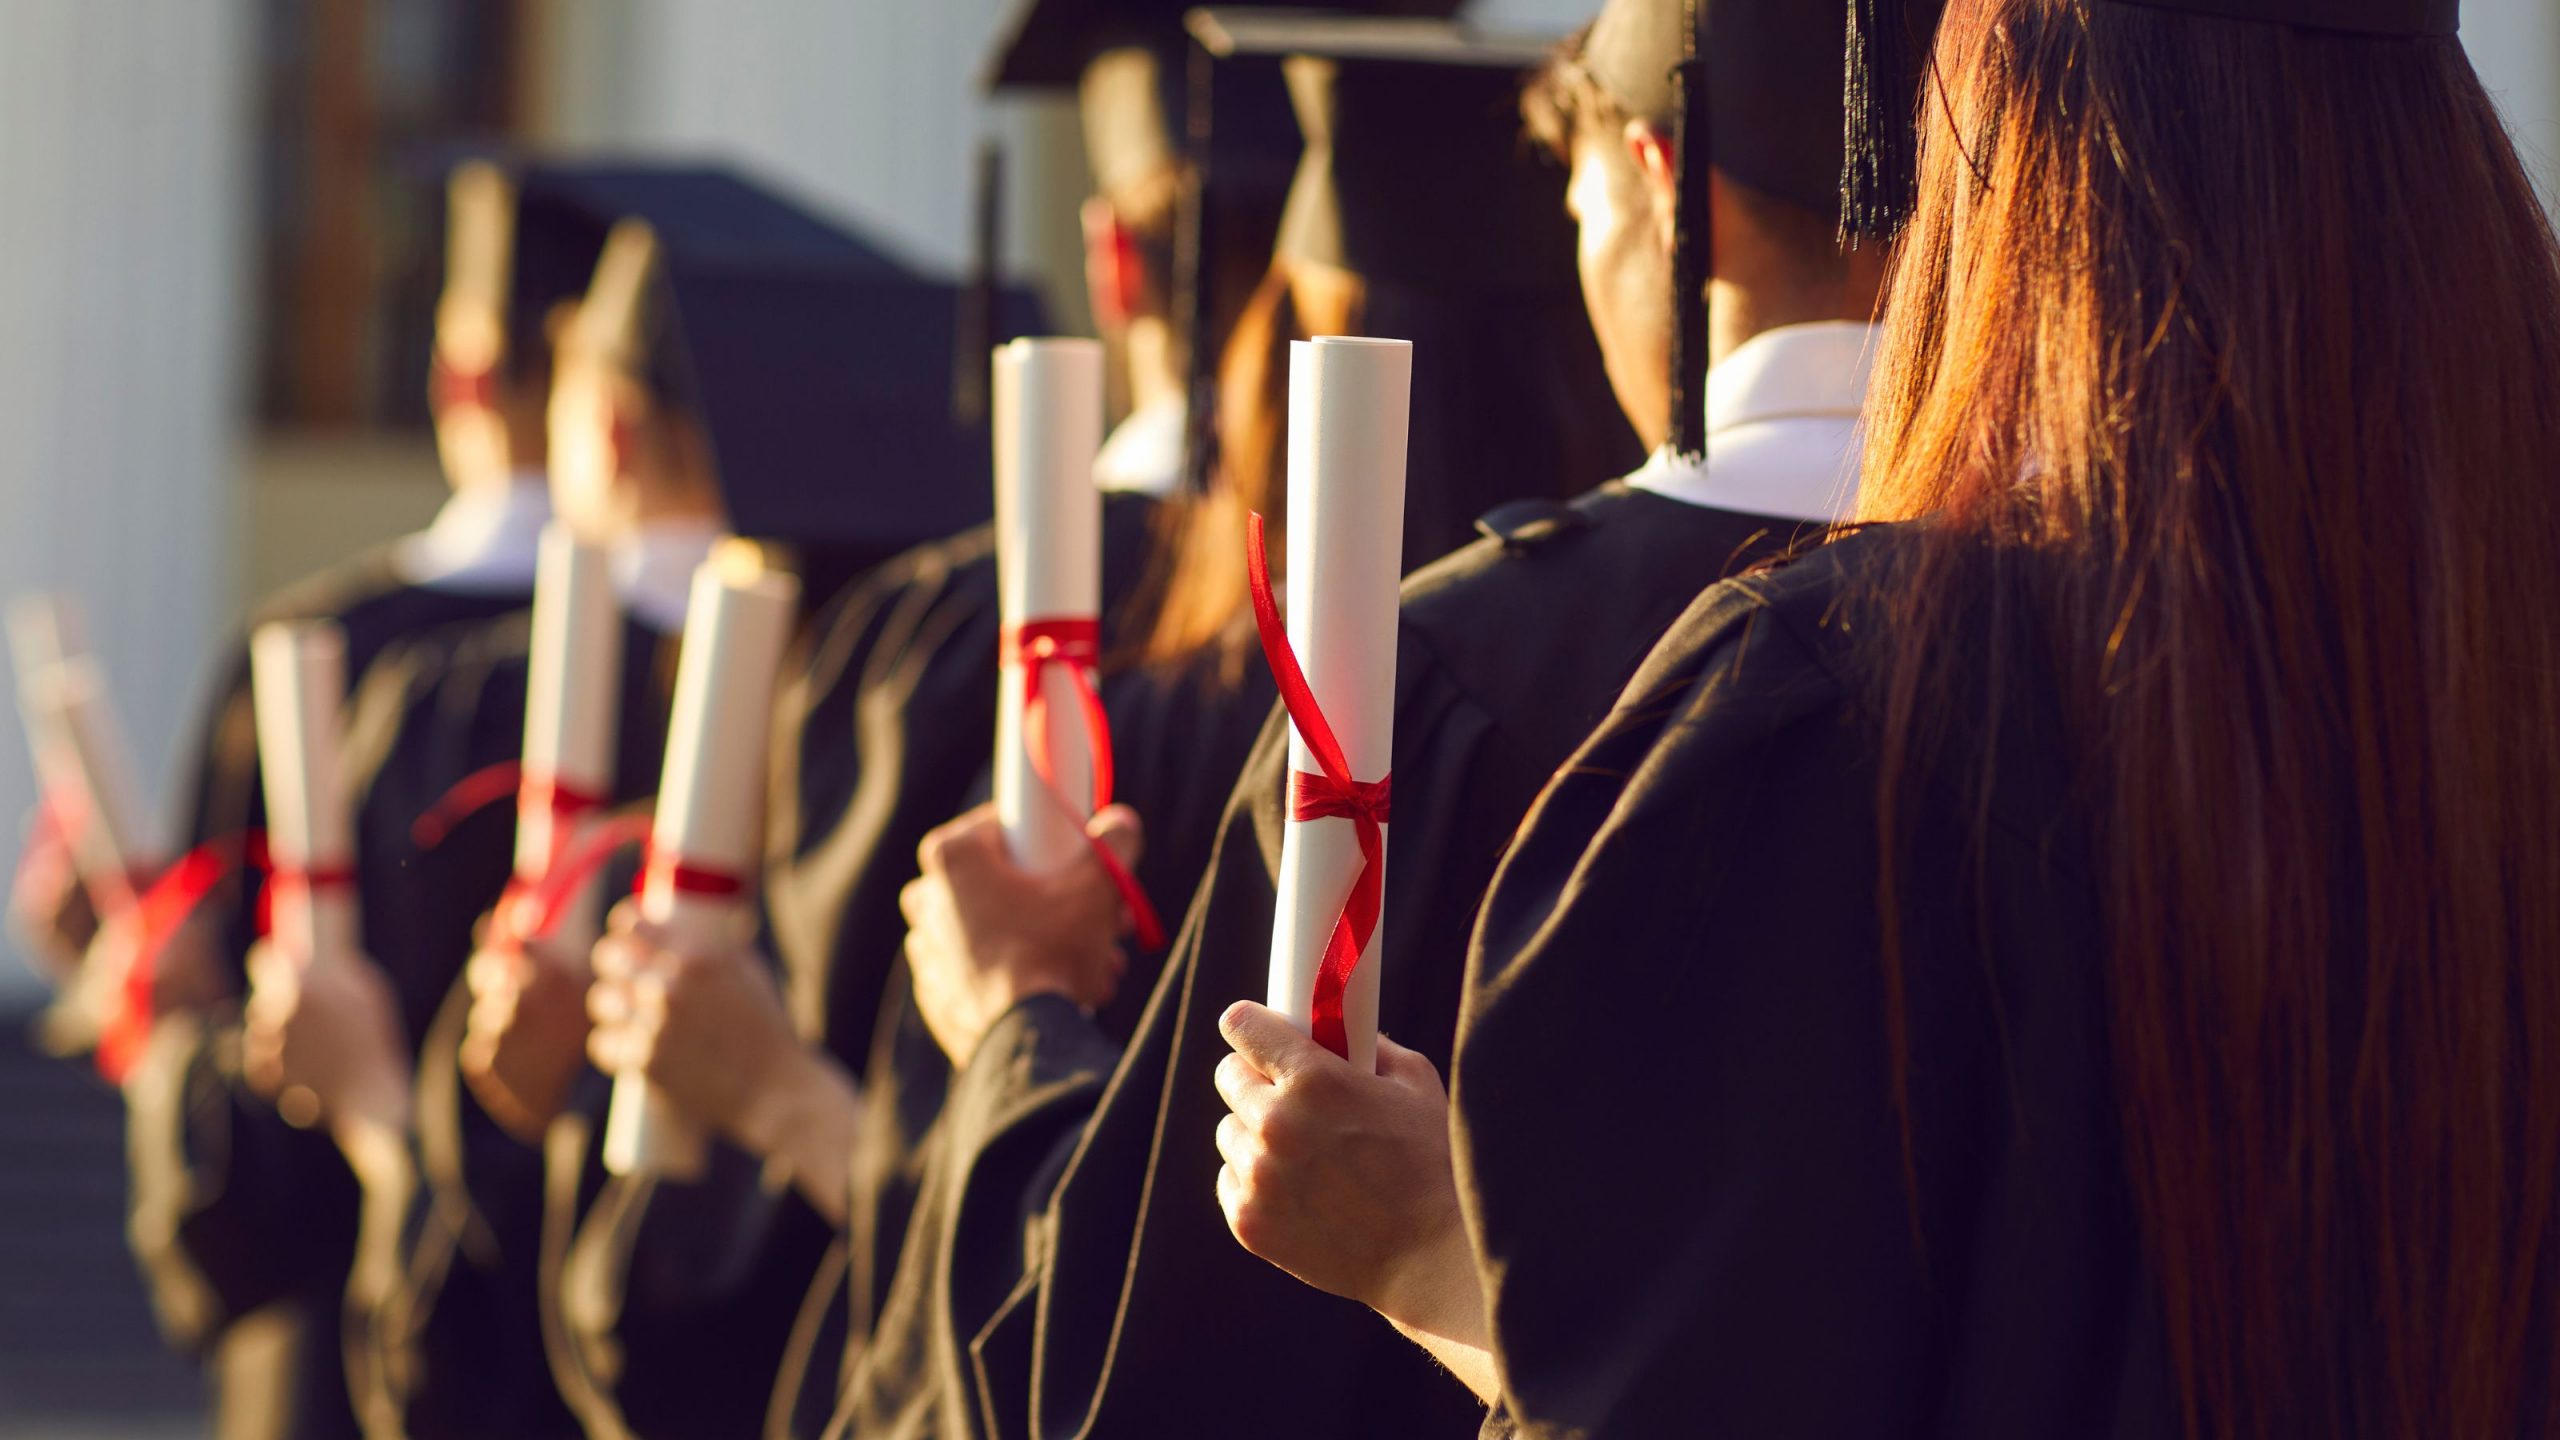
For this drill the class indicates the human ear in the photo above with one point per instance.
(1658, 170)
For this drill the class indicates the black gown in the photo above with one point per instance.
(1677, 1127)
(685, 1303)
(235, 1214)
(451, 1340)
(1084, 1314)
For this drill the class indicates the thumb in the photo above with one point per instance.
(1406, 1066)
(1118, 827)
(1271, 1043)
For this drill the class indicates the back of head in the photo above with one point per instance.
(2228, 350)
(1419, 214)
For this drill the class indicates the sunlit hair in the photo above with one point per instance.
(2227, 358)
(1509, 402)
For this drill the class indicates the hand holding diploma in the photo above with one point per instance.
(986, 933)
(707, 1028)
(706, 842)
(1343, 1178)
(322, 1030)
(525, 1037)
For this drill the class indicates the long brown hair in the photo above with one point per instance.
(1510, 401)
(2230, 355)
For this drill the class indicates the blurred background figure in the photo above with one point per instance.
(217, 282)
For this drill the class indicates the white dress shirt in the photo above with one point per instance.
(486, 540)
(1782, 427)
(653, 570)
(1143, 455)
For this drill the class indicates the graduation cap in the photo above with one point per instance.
(1889, 38)
(1749, 87)
(1414, 169)
(819, 367)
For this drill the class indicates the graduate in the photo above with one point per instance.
(1510, 651)
(237, 1216)
(677, 421)
(2077, 965)
(893, 715)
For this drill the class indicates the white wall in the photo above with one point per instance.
(122, 190)
(2515, 45)
(870, 108)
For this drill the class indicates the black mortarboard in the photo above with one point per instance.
(819, 367)
(1889, 38)
(1771, 71)
(1414, 169)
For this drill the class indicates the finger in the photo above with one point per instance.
(1408, 1067)
(1273, 1044)
(1237, 1146)
(1247, 1091)
(1118, 827)
(935, 851)
(623, 917)
(617, 957)
(914, 898)
(609, 1002)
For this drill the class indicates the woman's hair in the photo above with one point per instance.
(2227, 356)
(1509, 402)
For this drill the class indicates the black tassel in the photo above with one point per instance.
(1692, 250)
(1194, 243)
(980, 300)
(1879, 154)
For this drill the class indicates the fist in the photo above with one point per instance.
(323, 1039)
(524, 1041)
(708, 1028)
(49, 909)
(1343, 1179)
(984, 934)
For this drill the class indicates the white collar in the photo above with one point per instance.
(485, 539)
(1143, 455)
(1782, 426)
(653, 569)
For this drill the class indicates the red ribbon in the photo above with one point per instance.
(163, 907)
(450, 388)
(533, 791)
(1076, 645)
(1332, 795)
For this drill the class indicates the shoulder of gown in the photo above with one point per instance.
(1705, 1198)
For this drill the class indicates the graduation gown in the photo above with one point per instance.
(683, 1301)
(235, 1213)
(1086, 1319)
(452, 1346)
(1677, 1129)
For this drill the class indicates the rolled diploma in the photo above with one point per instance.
(81, 752)
(298, 686)
(1048, 428)
(573, 692)
(43, 633)
(709, 812)
(1348, 409)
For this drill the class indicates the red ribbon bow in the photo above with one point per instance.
(533, 792)
(1332, 795)
(1076, 645)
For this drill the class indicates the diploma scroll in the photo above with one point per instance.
(571, 721)
(84, 763)
(1348, 410)
(298, 687)
(706, 841)
(1048, 428)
